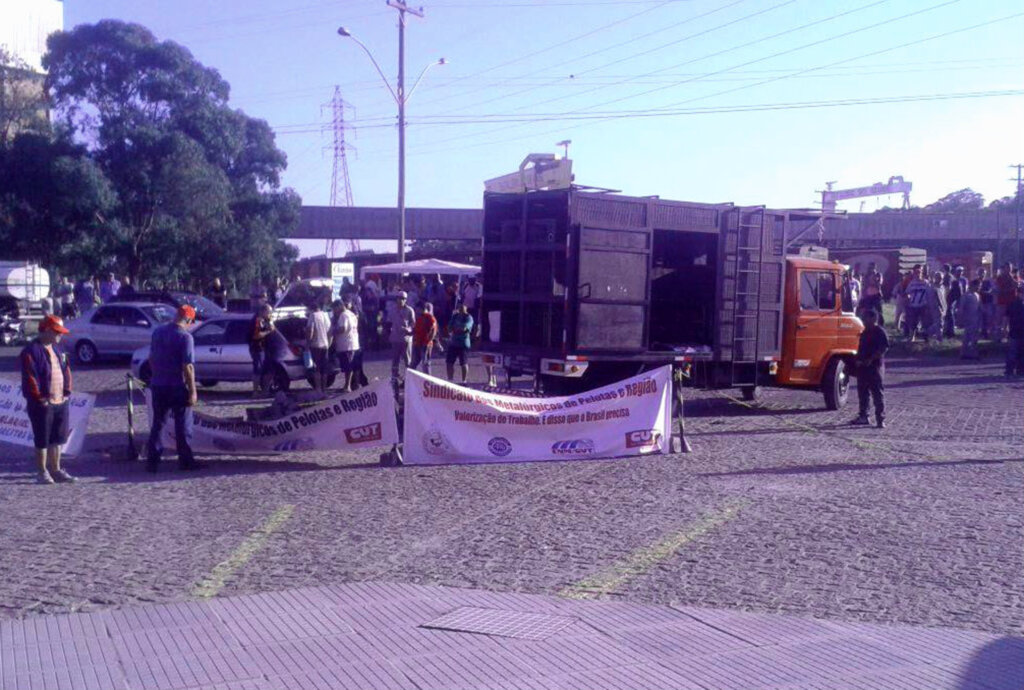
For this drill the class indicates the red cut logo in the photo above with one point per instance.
(643, 438)
(364, 434)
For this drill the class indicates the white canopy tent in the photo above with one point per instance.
(423, 267)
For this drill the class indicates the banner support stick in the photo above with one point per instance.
(679, 438)
(133, 450)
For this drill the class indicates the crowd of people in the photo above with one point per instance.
(934, 305)
(413, 317)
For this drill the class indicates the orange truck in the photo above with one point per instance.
(583, 288)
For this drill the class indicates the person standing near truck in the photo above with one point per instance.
(403, 318)
(968, 317)
(46, 386)
(423, 336)
(318, 340)
(1015, 333)
(345, 340)
(871, 289)
(871, 370)
(917, 305)
(1005, 293)
(957, 290)
(460, 329)
(988, 303)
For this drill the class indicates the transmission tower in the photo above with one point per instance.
(339, 171)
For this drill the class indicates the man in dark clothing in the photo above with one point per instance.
(218, 294)
(871, 369)
(957, 289)
(259, 328)
(173, 388)
(46, 385)
(1015, 343)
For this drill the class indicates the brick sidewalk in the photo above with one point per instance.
(365, 635)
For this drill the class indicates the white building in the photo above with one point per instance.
(24, 26)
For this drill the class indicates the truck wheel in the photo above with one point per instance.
(751, 393)
(835, 386)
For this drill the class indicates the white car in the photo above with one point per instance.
(295, 301)
(115, 329)
(222, 354)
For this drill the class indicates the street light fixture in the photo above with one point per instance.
(401, 98)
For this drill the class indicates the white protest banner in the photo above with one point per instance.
(363, 419)
(15, 427)
(446, 423)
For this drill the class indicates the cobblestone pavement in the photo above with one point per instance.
(780, 508)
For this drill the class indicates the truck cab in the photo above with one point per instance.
(820, 331)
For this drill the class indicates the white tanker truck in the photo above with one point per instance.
(23, 286)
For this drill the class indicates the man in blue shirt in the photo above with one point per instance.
(173, 387)
(460, 329)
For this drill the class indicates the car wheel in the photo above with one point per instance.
(751, 393)
(208, 383)
(86, 352)
(835, 386)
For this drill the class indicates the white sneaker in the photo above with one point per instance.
(44, 478)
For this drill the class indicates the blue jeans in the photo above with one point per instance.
(173, 400)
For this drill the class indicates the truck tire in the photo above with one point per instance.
(751, 393)
(835, 385)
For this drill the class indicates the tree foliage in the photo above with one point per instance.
(23, 101)
(197, 183)
(52, 201)
(961, 200)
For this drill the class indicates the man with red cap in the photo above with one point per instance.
(46, 385)
(173, 387)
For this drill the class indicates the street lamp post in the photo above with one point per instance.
(401, 98)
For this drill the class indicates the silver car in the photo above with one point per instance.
(115, 329)
(222, 354)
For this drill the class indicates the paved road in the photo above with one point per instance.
(782, 508)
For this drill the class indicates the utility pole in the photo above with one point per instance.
(1016, 213)
(400, 93)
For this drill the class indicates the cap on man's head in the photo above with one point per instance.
(52, 322)
(186, 312)
(402, 294)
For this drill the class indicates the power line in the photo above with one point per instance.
(675, 25)
(728, 69)
(797, 73)
(715, 110)
(553, 46)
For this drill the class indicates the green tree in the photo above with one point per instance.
(197, 182)
(961, 200)
(53, 198)
(23, 101)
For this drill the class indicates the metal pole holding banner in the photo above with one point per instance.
(133, 450)
(679, 443)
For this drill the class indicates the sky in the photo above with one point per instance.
(748, 101)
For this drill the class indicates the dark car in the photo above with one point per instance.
(205, 309)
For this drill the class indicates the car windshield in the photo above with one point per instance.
(160, 313)
(301, 295)
(204, 307)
